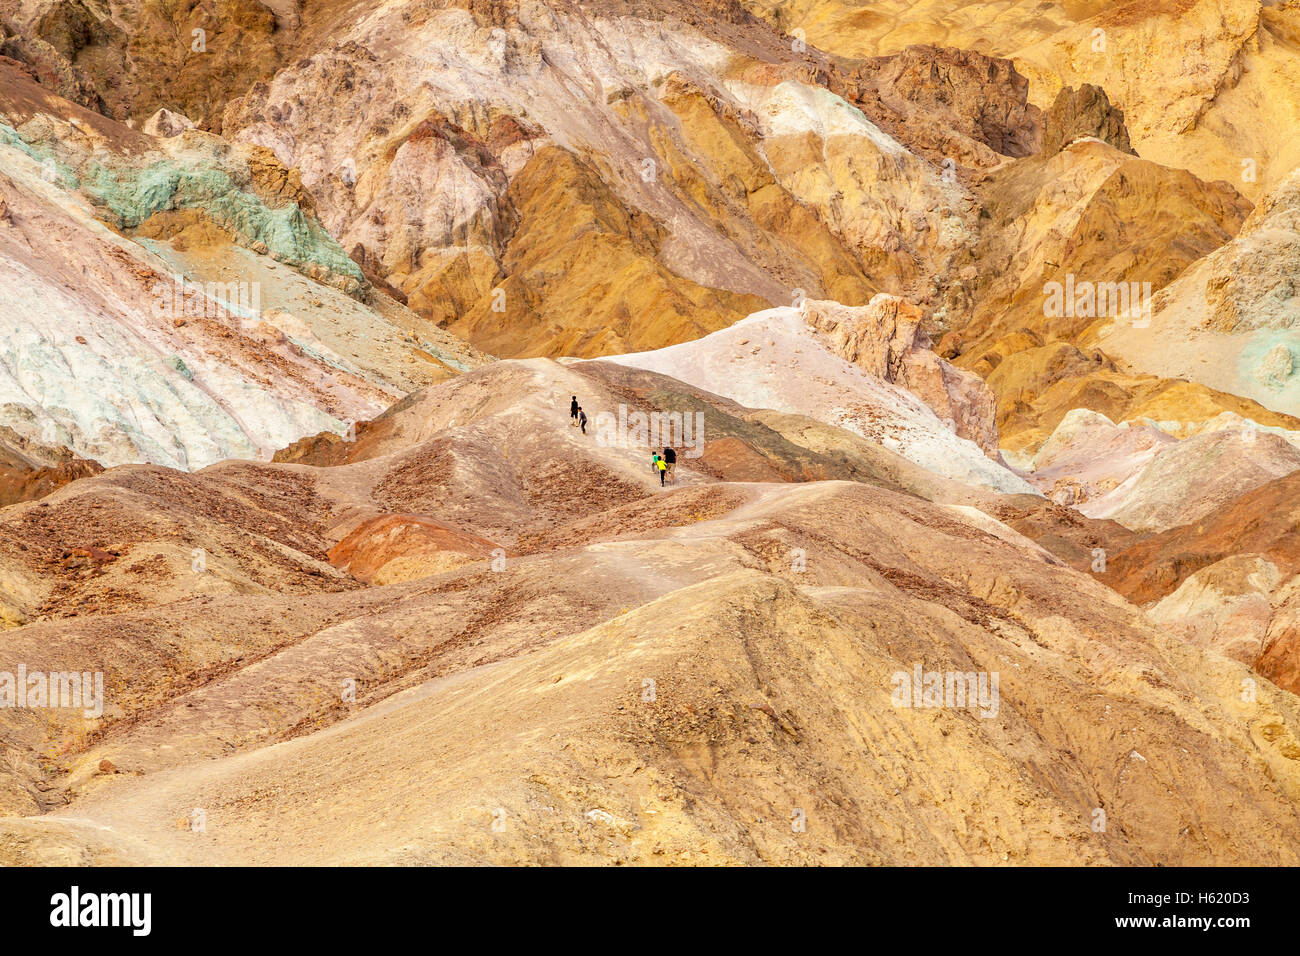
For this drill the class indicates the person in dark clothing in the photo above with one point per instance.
(582, 419)
(573, 409)
(670, 459)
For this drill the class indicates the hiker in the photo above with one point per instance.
(654, 462)
(573, 411)
(582, 419)
(663, 469)
(670, 457)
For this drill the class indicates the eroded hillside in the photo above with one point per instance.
(973, 328)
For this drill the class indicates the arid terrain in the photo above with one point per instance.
(974, 328)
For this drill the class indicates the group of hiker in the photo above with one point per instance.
(577, 414)
(664, 464)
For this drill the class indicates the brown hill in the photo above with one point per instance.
(671, 676)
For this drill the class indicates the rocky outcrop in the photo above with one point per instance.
(1088, 456)
(50, 65)
(160, 339)
(755, 184)
(961, 106)
(146, 56)
(1083, 113)
(30, 469)
(885, 338)
(1279, 660)
(165, 123)
(1083, 220)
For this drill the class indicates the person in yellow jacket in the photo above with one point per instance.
(661, 466)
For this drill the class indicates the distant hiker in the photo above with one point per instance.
(573, 411)
(670, 457)
(663, 469)
(582, 419)
(654, 462)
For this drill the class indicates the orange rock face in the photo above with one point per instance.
(397, 547)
